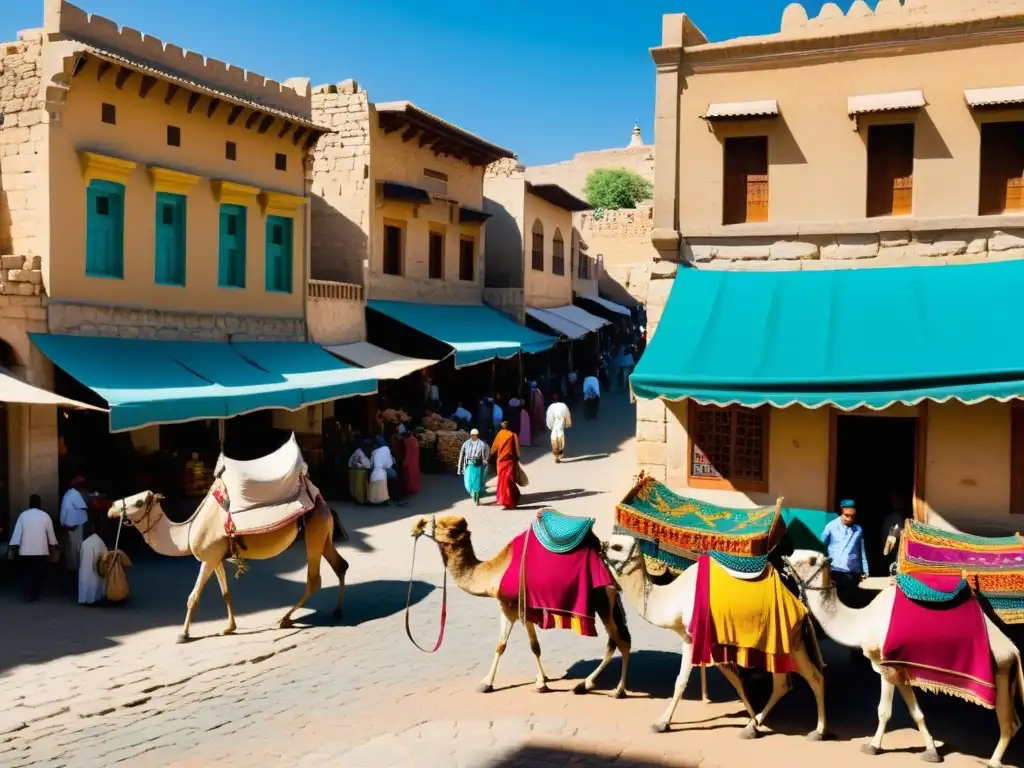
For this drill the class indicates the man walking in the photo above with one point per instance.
(845, 542)
(558, 420)
(74, 514)
(34, 539)
(591, 396)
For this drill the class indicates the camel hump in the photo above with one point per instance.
(560, 533)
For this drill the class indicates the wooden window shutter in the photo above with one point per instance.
(1002, 168)
(891, 170)
(745, 180)
(757, 197)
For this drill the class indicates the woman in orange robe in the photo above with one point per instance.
(506, 448)
(411, 464)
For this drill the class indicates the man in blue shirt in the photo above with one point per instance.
(845, 542)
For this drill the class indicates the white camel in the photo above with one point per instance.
(866, 628)
(671, 606)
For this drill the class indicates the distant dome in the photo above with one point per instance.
(636, 140)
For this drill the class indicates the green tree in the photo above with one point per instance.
(615, 188)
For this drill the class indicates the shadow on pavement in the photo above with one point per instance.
(588, 457)
(534, 756)
(546, 498)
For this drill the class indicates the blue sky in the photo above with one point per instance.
(545, 78)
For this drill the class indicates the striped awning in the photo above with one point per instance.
(765, 108)
(994, 97)
(885, 102)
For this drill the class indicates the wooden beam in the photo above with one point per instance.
(172, 91)
(79, 63)
(428, 137)
(266, 123)
(103, 68)
(252, 120)
(410, 133)
(193, 99)
(123, 74)
(148, 81)
(235, 112)
(285, 128)
(210, 110)
(299, 133)
(311, 139)
(390, 124)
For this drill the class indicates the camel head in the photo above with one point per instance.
(811, 569)
(135, 508)
(446, 531)
(622, 554)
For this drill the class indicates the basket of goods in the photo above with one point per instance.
(426, 438)
(432, 421)
(449, 446)
(447, 425)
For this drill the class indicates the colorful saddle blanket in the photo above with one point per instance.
(755, 623)
(676, 530)
(937, 639)
(994, 567)
(556, 590)
(560, 533)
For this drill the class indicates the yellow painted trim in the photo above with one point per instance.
(281, 203)
(105, 168)
(232, 193)
(168, 180)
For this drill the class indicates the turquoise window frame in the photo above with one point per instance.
(170, 238)
(279, 255)
(104, 232)
(231, 247)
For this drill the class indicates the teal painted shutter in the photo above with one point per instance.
(104, 229)
(232, 246)
(170, 238)
(279, 254)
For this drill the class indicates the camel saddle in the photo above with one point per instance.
(560, 533)
(265, 494)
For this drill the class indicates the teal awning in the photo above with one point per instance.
(848, 338)
(157, 382)
(319, 374)
(476, 333)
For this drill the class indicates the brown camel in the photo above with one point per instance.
(203, 536)
(483, 579)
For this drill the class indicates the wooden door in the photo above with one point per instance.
(745, 180)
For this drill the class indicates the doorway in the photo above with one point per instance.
(875, 462)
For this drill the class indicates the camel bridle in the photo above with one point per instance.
(148, 505)
(805, 586)
(417, 534)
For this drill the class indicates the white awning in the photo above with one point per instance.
(765, 108)
(579, 317)
(609, 305)
(994, 97)
(14, 390)
(885, 102)
(558, 324)
(380, 363)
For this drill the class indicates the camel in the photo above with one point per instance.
(671, 606)
(866, 628)
(483, 579)
(203, 536)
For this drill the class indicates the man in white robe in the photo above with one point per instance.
(558, 420)
(74, 514)
(381, 460)
(91, 587)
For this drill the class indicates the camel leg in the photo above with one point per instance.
(585, 686)
(730, 673)
(1008, 723)
(685, 665)
(205, 572)
(618, 637)
(884, 713)
(340, 567)
(806, 669)
(542, 680)
(316, 533)
(704, 685)
(507, 622)
(780, 687)
(931, 754)
(222, 579)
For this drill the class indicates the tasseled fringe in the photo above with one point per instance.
(949, 690)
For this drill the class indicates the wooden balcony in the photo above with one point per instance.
(326, 289)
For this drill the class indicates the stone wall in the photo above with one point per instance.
(508, 301)
(341, 190)
(623, 239)
(132, 323)
(825, 251)
(572, 174)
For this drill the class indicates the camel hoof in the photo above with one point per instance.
(543, 688)
(750, 732)
(484, 688)
(815, 736)
(285, 624)
(931, 756)
(229, 631)
(338, 614)
(580, 689)
(619, 694)
(869, 749)
(182, 639)
(659, 727)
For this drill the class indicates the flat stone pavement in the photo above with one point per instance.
(97, 686)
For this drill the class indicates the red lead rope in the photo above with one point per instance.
(444, 604)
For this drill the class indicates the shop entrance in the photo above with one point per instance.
(875, 463)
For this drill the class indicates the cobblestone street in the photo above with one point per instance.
(99, 686)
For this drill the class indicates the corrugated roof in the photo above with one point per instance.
(885, 102)
(201, 88)
(991, 97)
(764, 108)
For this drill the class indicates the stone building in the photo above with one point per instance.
(150, 196)
(793, 167)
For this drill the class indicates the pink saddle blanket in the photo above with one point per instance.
(560, 589)
(941, 647)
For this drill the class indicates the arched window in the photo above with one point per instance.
(558, 254)
(538, 246)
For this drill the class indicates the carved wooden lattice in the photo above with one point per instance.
(728, 445)
(712, 444)
(748, 451)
